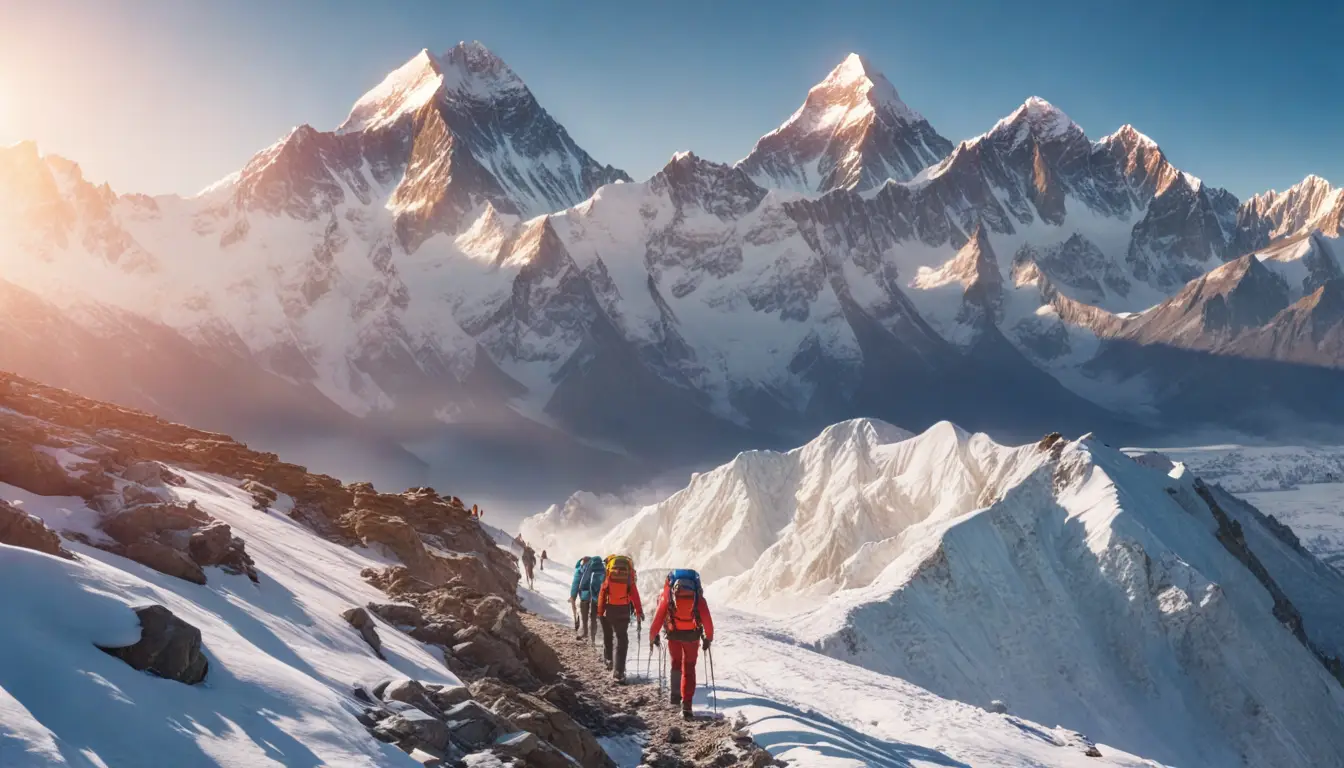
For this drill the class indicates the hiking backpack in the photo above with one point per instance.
(593, 572)
(620, 576)
(683, 604)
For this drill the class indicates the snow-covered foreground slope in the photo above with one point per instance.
(281, 657)
(817, 712)
(1124, 599)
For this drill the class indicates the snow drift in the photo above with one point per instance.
(1127, 600)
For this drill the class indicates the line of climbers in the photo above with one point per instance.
(607, 594)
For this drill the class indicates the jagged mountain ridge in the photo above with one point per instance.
(391, 266)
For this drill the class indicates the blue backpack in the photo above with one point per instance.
(684, 590)
(590, 580)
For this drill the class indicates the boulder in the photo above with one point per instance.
(527, 749)
(473, 726)
(536, 715)
(481, 649)
(20, 529)
(147, 521)
(144, 473)
(412, 728)
(134, 494)
(360, 619)
(210, 545)
(164, 559)
(410, 692)
(168, 647)
(36, 471)
(396, 581)
(437, 633)
(400, 614)
(448, 697)
(541, 658)
(262, 496)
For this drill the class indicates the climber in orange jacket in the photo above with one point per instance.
(616, 600)
(690, 627)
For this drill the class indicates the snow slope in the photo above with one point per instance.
(282, 660)
(817, 712)
(1071, 581)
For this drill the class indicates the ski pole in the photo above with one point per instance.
(713, 686)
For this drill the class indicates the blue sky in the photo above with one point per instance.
(169, 95)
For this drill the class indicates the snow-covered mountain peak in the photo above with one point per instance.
(852, 131)
(1131, 137)
(855, 81)
(1312, 203)
(471, 70)
(406, 89)
(1038, 119)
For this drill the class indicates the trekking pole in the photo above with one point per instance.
(713, 686)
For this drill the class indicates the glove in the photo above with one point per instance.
(655, 640)
(641, 617)
(705, 643)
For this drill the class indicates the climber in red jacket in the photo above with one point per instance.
(682, 608)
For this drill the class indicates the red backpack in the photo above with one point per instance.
(683, 606)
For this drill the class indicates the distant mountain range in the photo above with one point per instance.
(449, 277)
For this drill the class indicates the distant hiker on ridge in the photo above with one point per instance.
(529, 562)
(618, 595)
(542, 564)
(589, 573)
(689, 628)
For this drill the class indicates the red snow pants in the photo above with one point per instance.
(684, 654)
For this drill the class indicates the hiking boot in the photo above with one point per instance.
(687, 714)
(676, 699)
(618, 676)
(606, 663)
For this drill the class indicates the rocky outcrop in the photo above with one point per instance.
(27, 466)
(539, 716)
(364, 624)
(20, 529)
(177, 539)
(446, 723)
(168, 647)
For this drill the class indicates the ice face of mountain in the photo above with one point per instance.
(1083, 587)
(852, 132)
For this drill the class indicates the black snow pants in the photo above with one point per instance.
(617, 623)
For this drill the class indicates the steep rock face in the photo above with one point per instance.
(852, 132)
(1240, 295)
(1310, 332)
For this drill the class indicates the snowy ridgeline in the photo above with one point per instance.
(1124, 599)
(1246, 469)
(282, 659)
